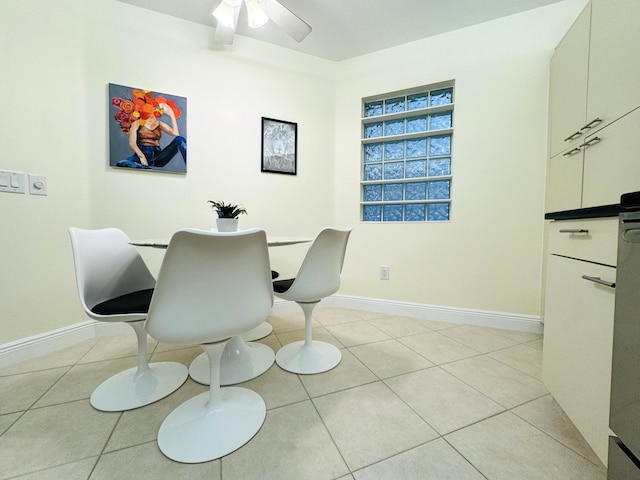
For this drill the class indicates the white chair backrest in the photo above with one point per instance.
(319, 274)
(211, 286)
(106, 266)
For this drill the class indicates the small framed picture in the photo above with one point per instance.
(279, 146)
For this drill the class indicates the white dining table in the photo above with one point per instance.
(272, 241)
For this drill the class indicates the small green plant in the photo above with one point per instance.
(226, 210)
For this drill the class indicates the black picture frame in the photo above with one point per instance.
(279, 146)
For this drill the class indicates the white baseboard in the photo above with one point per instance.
(41, 344)
(420, 311)
(31, 347)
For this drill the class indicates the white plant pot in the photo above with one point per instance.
(227, 224)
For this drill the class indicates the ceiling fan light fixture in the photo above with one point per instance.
(225, 14)
(256, 17)
(259, 13)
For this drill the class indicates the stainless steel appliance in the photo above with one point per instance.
(624, 417)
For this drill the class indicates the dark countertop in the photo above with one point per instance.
(601, 211)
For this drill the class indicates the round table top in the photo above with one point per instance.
(272, 241)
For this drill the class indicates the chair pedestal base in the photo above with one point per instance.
(130, 389)
(309, 358)
(195, 433)
(240, 362)
(261, 331)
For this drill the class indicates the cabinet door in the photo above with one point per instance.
(564, 181)
(595, 239)
(612, 165)
(614, 62)
(568, 85)
(578, 332)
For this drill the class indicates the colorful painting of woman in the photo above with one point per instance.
(154, 130)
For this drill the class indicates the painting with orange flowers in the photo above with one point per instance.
(147, 130)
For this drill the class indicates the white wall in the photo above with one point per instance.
(488, 256)
(227, 94)
(57, 57)
(43, 131)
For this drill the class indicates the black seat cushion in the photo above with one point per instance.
(281, 286)
(134, 302)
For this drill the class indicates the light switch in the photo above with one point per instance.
(37, 184)
(12, 182)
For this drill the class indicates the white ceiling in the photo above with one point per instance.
(348, 28)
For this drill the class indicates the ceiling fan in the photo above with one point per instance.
(259, 12)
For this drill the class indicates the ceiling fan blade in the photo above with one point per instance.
(224, 34)
(285, 19)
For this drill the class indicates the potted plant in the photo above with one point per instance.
(228, 213)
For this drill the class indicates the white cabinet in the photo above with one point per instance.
(593, 240)
(594, 79)
(612, 164)
(579, 301)
(564, 181)
(594, 157)
(595, 72)
(614, 62)
(577, 345)
(599, 169)
(578, 322)
(568, 85)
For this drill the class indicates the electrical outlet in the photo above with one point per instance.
(384, 273)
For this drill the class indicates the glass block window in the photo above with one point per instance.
(406, 155)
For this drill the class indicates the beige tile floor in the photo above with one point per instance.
(410, 400)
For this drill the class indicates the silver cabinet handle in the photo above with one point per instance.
(574, 230)
(588, 126)
(573, 136)
(599, 281)
(573, 151)
(631, 235)
(591, 142)
(591, 124)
